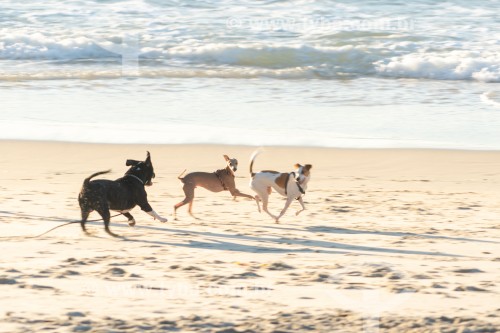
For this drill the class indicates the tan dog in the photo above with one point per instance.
(218, 181)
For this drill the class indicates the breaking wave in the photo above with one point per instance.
(401, 60)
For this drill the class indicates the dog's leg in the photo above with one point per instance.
(190, 210)
(131, 220)
(85, 216)
(236, 193)
(258, 190)
(287, 204)
(156, 216)
(257, 199)
(189, 193)
(180, 204)
(303, 207)
(146, 207)
(265, 199)
(106, 217)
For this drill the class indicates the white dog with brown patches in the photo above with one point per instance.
(290, 185)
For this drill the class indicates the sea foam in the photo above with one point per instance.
(455, 65)
(299, 61)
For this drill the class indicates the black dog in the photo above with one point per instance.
(121, 195)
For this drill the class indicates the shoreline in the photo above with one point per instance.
(335, 148)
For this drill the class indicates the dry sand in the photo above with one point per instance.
(391, 241)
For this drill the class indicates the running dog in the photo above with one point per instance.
(218, 181)
(121, 195)
(290, 185)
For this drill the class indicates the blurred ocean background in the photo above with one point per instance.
(312, 73)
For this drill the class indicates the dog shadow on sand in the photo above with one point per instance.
(237, 242)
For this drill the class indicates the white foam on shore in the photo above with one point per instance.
(491, 98)
(18, 46)
(83, 57)
(455, 65)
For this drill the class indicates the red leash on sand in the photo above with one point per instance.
(62, 225)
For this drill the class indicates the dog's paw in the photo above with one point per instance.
(131, 223)
(162, 219)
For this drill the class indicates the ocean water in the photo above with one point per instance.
(271, 72)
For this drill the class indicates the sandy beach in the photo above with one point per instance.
(393, 240)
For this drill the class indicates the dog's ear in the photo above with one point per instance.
(297, 165)
(226, 158)
(132, 162)
(308, 166)
(148, 159)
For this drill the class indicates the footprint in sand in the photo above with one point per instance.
(82, 328)
(73, 314)
(74, 261)
(467, 270)
(64, 274)
(340, 209)
(40, 287)
(421, 277)
(279, 266)
(7, 281)
(395, 276)
(116, 271)
(322, 277)
(192, 268)
(378, 272)
(438, 286)
(469, 288)
(246, 275)
(404, 289)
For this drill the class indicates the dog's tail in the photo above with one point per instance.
(180, 176)
(252, 159)
(87, 180)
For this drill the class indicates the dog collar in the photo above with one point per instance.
(230, 171)
(296, 182)
(134, 176)
(300, 188)
(219, 176)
